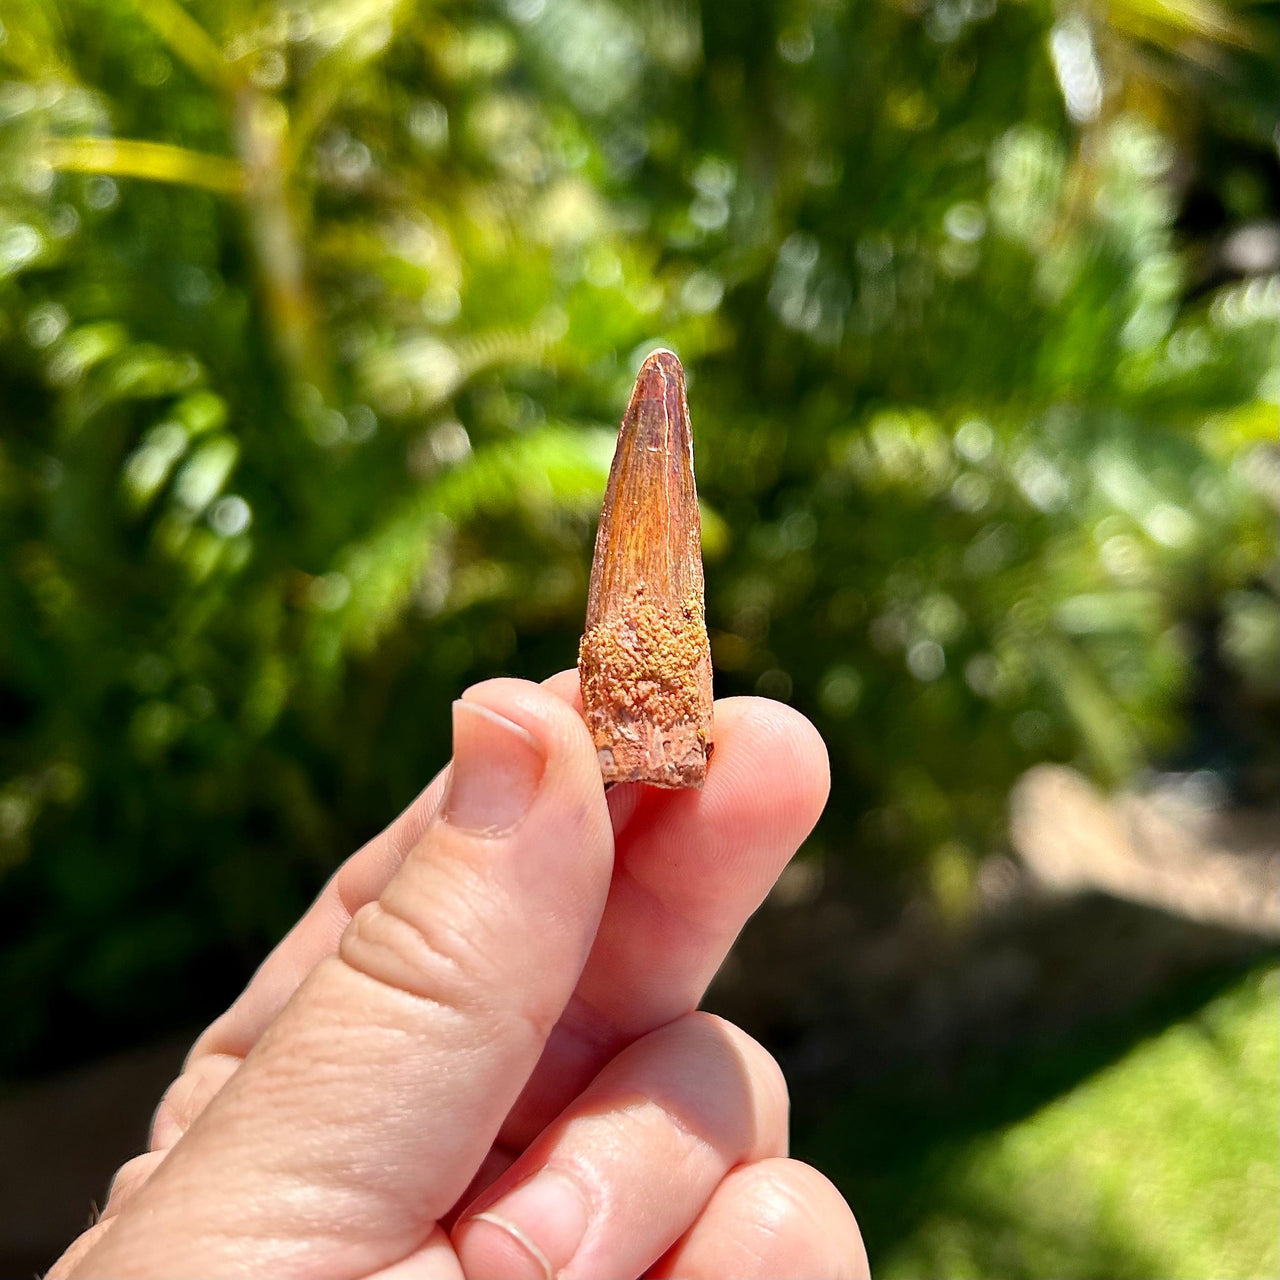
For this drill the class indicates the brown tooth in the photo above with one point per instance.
(645, 661)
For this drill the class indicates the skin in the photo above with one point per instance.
(478, 1054)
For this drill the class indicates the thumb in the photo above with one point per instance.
(364, 1111)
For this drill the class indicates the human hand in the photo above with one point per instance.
(477, 1053)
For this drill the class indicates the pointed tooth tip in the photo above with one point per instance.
(660, 375)
(666, 357)
(661, 361)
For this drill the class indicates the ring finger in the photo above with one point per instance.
(615, 1180)
(769, 1221)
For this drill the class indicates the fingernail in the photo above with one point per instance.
(545, 1220)
(497, 766)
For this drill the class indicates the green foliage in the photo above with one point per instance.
(314, 320)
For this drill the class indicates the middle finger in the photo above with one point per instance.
(689, 869)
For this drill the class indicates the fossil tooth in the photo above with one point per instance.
(644, 660)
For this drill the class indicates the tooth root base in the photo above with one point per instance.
(646, 693)
(672, 756)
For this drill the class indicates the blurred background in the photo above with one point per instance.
(316, 322)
